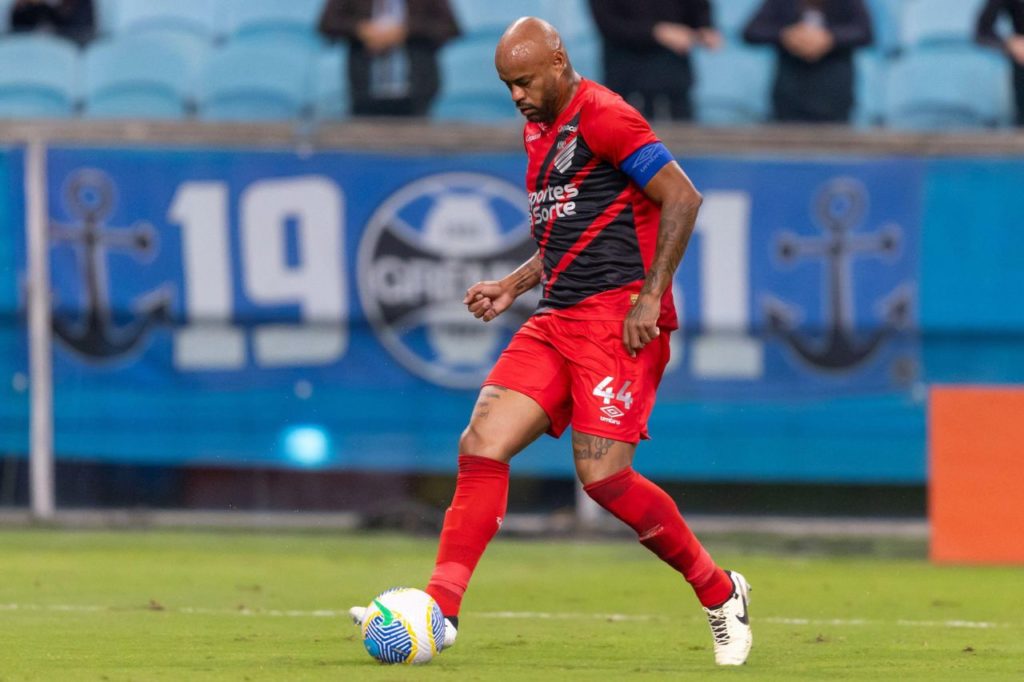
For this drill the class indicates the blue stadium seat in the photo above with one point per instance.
(585, 55)
(869, 88)
(731, 16)
(106, 16)
(136, 78)
(196, 17)
(733, 85)
(476, 108)
(5, 15)
(938, 22)
(293, 21)
(573, 20)
(886, 22)
(953, 88)
(491, 17)
(38, 73)
(330, 85)
(254, 83)
(470, 88)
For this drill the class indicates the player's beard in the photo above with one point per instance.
(547, 112)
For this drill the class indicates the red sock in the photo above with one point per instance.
(649, 510)
(481, 493)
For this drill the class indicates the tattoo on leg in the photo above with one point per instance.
(483, 403)
(585, 446)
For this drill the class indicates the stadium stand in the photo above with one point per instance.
(330, 84)
(938, 22)
(47, 89)
(491, 18)
(5, 14)
(730, 16)
(106, 16)
(251, 82)
(137, 78)
(196, 17)
(869, 88)
(574, 20)
(292, 22)
(947, 89)
(263, 60)
(733, 85)
(470, 91)
(886, 17)
(585, 52)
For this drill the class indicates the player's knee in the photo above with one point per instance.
(591, 472)
(475, 441)
(598, 458)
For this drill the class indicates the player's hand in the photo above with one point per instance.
(641, 325)
(486, 300)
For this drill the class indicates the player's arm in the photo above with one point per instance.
(671, 189)
(490, 298)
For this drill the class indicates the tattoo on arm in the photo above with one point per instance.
(677, 221)
(585, 446)
(527, 275)
(483, 403)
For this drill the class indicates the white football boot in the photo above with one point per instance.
(358, 614)
(730, 624)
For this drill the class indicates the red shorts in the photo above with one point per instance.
(579, 372)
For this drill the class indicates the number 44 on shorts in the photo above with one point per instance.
(606, 390)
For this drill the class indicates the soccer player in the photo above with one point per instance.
(612, 213)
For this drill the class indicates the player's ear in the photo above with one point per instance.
(559, 59)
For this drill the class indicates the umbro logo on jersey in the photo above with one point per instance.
(564, 159)
(612, 411)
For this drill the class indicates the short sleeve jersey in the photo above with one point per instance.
(595, 229)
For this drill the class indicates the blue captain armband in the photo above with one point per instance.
(644, 163)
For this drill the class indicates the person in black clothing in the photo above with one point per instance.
(647, 48)
(72, 19)
(393, 44)
(815, 41)
(985, 33)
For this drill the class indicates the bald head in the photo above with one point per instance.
(528, 37)
(532, 62)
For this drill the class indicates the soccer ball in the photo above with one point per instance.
(403, 625)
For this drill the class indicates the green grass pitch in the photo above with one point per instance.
(184, 605)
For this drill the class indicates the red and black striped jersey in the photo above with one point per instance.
(595, 229)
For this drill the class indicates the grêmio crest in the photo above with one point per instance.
(91, 329)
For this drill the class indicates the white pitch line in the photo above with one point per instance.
(510, 615)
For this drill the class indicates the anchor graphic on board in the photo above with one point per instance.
(839, 208)
(89, 196)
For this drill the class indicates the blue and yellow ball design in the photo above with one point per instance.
(403, 625)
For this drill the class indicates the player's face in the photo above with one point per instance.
(533, 87)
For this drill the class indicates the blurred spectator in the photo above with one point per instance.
(814, 40)
(1013, 44)
(647, 46)
(72, 19)
(393, 44)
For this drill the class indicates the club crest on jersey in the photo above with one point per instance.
(423, 247)
(563, 161)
